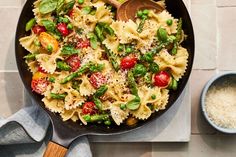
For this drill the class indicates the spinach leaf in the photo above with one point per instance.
(49, 25)
(47, 6)
(133, 104)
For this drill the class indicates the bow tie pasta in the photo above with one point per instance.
(91, 68)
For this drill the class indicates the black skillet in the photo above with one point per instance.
(65, 132)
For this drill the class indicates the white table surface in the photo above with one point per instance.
(214, 23)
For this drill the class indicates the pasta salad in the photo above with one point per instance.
(91, 68)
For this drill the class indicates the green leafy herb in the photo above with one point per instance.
(68, 6)
(30, 24)
(133, 104)
(58, 96)
(47, 6)
(69, 50)
(49, 25)
(63, 66)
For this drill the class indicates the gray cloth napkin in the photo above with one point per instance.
(27, 132)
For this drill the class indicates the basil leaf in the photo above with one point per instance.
(133, 104)
(49, 25)
(47, 6)
(69, 50)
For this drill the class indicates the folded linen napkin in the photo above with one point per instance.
(26, 133)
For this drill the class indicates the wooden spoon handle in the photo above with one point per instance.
(114, 3)
(55, 150)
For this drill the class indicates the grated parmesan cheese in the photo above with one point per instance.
(221, 105)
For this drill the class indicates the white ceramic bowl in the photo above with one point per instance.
(217, 80)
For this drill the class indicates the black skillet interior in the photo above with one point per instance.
(65, 132)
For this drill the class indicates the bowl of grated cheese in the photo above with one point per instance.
(218, 102)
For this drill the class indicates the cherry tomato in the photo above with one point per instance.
(74, 62)
(128, 62)
(97, 79)
(89, 108)
(40, 69)
(39, 85)
(38, 29)
(47, 40)
(83, 43)
(162, 79)
(62, 28)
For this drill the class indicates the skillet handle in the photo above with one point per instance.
(55, 150)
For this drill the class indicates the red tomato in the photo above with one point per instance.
(89, 108)
(38, 29)
(40, 69)
(162, 79)
(128, 62)
(62, 28)
(83, 43)
(97, 79)
(74, 62)
(39, 85)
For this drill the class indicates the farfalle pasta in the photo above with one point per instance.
(90, 67)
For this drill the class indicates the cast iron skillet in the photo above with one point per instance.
(65, 132)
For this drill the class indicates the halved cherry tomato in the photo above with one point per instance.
(89, 108)
(74, 62)
(128, 62)
(37, 29)
(40, 69)
(97, 79)
(39, 85)
(83, 43)
(39, 75)
(162, 79)
(48, 40)
(62, 28)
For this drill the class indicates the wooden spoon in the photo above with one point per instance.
(128, 9)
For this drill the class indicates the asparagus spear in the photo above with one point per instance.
(58, 96)
(96, 118)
